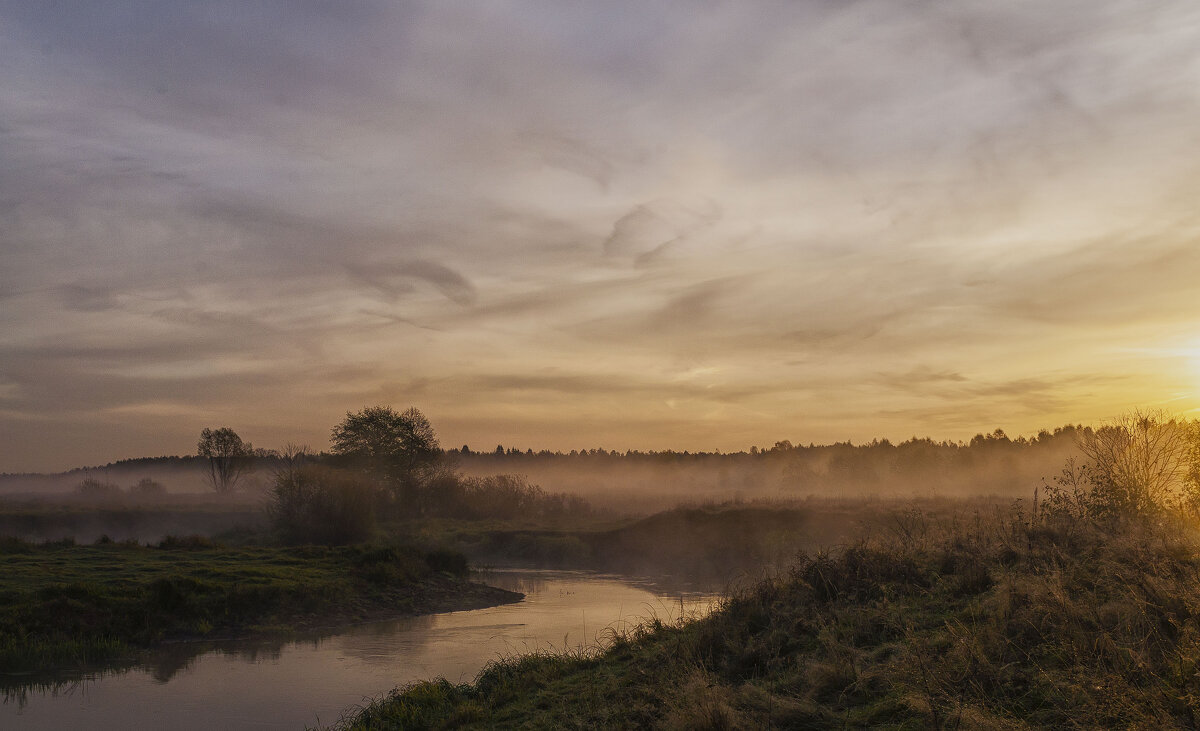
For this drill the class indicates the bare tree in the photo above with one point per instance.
(1143, 461)
(291, 457)
(229, 458)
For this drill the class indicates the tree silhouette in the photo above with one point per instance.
(229, 458)
(399, 447)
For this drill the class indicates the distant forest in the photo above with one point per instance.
(840, 456)
(988, 464)
(911, 447)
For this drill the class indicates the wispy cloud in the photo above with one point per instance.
(819, 220)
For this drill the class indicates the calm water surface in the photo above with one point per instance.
(239, 685)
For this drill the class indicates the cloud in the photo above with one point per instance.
(449, 282)
(648, 230)
(697, 303)
(88, 299)
(395, 280)
(837, 207)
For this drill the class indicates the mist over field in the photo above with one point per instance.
(992, 465)
(175, 475)
(919, 468)
(689, 515)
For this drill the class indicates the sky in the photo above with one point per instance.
(689, 225)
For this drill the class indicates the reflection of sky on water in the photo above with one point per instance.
(290, 684)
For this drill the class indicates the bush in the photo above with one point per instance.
(450, 562)
(192, 542)
(94, 489)
(321, 505)
(1143, 465)
(504, 497)
(511, 496)
(148, 488)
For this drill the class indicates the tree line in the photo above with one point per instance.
(381, 464)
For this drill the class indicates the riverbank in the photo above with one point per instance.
(971, 621)
(66, 606)
(304, 680)
(711, 543)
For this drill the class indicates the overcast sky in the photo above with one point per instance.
(694, 225)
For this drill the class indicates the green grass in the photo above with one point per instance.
(68, 605)
(976, 621)
(51, 519)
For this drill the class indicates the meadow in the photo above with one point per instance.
(65, 606)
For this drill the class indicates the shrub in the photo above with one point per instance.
(147, 488)
(322, 505)
(192, 542)
(450, 562)
(441, 494)
(94, 489)
(1142, 461)
(511, 496)
(1142, 465)
(448, 494)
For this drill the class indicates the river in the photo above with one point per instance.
(314, 680)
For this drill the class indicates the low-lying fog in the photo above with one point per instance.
(991, 465)
(146, 499)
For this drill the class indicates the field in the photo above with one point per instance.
(49, 520)
(67, 606)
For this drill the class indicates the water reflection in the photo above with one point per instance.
(19, 695)
(315, 677)
(166, 661)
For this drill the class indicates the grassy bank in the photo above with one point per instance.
(984, 620)
(67, 605)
